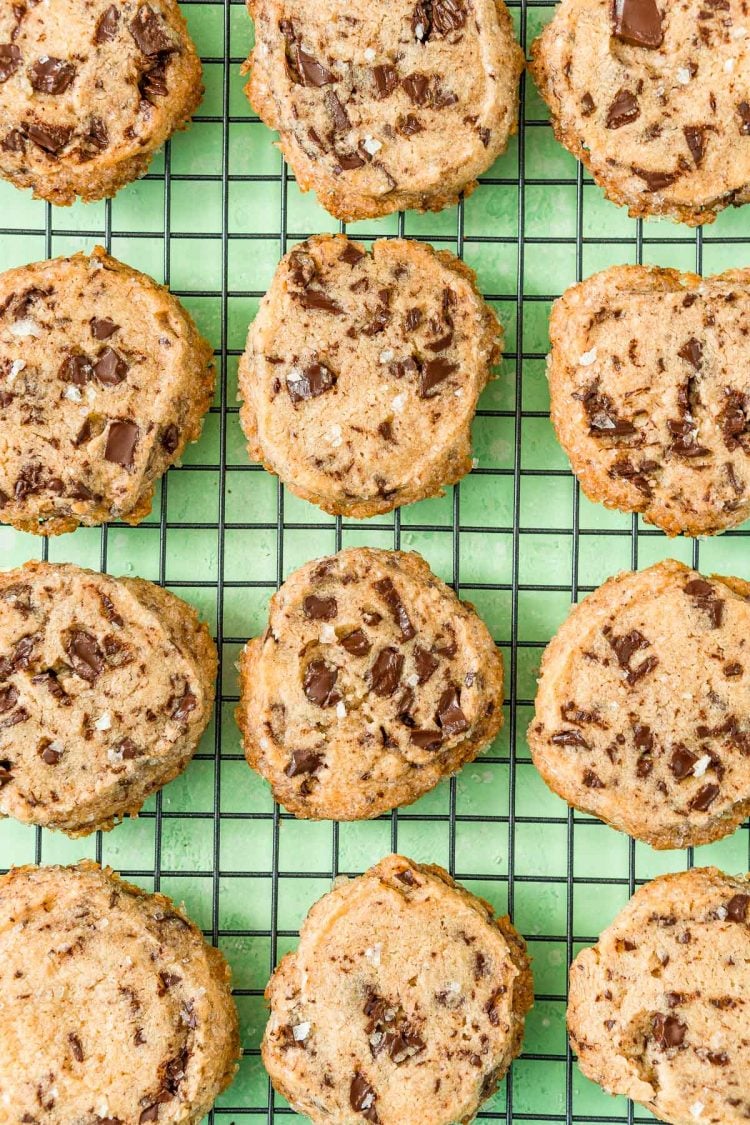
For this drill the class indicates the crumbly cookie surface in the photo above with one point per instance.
(654, 97)
(362, 372)
(404, 1002)
(643, 706)
(106, 686)
(115, 1011)
(371, 683)
(384, 107)
(88, 92)
(658, 1007)
(103, 381)
(650, 393)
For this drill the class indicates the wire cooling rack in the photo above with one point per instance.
(211, 219)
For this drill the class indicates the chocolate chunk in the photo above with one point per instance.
(309, 70)
(734, 420)
(692, 351)
(695, 136)
(434, 372)
(303, 761)
(449, 716)
(385, 673)
(102, 327)
(110, 368)
(682, 761)
(8, 698)
(13, 141)
(637, 22)
(390, 596)
(315, 380)
(338, 114)
(426, 739)
(106, 27)
(84, 654)
(10, 60)
(76, 369)
(352, 255)
(97, 135)
(319, 682)
(170, 439)
(667, 1031)
(425, 664)
(356, 643)
(706, 599)
(150, 1113)
(349, 161)
(49, 75)
(624, 469)
(318, 299)
(408, 125)
(592, 780)
(416, 87)
(50, 138)
(76, 1046)
(625, 648)
(362, 1097)
(744, 111)
(150, 32)
(121, 442)
(447, 16)
(406, 877)
(182, 706)
(655, 181)
(704, 798)
(623, 110)
(153, 82)
(386, 79)
(48, 754)
(569, 738)
(319, 609)
(588, 105)
(737, 908)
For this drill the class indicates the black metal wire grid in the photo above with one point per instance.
(549, 1089)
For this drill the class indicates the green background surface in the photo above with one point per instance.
(517, 538)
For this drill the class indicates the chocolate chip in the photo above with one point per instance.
(588, 105)
(682, 761)
(8, 698)
(371, 618)
(338, 114)
(110, 368)
(10, 60)
(734, 420)
(416, 86)
(385, 673)
(150, 33)
(592, 780)
(153, 82)
(704, 798)
(408, 125)
(356, 643)
(352, 255)
(102, 327)
(121, 442)
(447, 16)
(48, 754)
(625, 647)
(315, 380)
(362, 1097)
(349, 161)
(638, 22)
(737, 908)
(49, 75)
(50, 138)
(390, 596)
(106, 27)
(425, 664)
(569, 738)
(319, 682)
(655, 181)
(13, 141)
(318, 299)
(434, 372)
(96, 136)
(150, 1113)
(309, 70)
(668, 1031)
(426, 739)
(170, 439)
(76, 369)
(319, 609)
(602, 417)
(406, 877)
(84, 654)
(692, 351)
(303, 762)
(180, 707)
(386, 79)
(449, 715)
(695, 136)
(706, 599)
(623, 110)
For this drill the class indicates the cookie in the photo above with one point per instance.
(650, 394)
(106, 686)
(104, 379)
(88, 92)
(643, 706)
(404, 1002)
(362, 372)
(115, 1011)
(382, 108)
(658, 1007)
(371, 683)
(654, 98)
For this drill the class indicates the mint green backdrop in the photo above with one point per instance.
(517, 538)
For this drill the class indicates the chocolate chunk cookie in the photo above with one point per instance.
(643, 707)
(115, 1011)
(88, 92)
(654, 98)
(658, 1007)
(404, 1002)
(106, 686)
(362, 372)
(649, 379)
(384, 107)
(104, 379)
(371, 683)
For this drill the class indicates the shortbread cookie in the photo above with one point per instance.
(88, 92)
(362, 372)
(404, 1002)
(649, 379)
(381, 108)
(106, 686)
(654, 98)
(104, 379)
(658, 1007)
(643, 706)
(371, 683)
(115, 1011)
